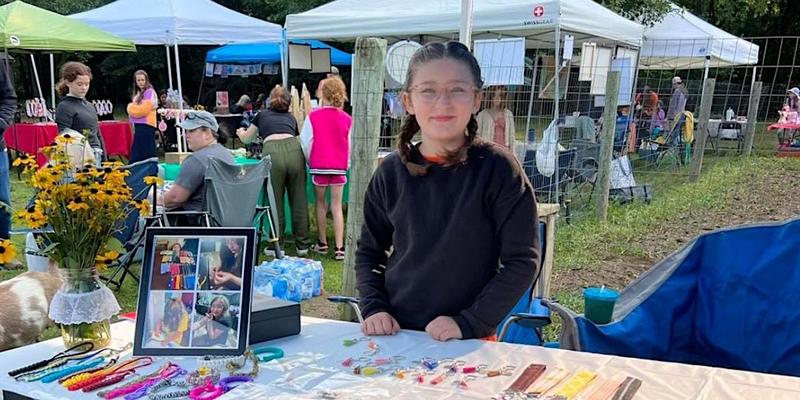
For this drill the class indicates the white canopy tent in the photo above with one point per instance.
(347, 19)
(179, 22)
(684, 41)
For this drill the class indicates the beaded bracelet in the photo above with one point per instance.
(199, 377)
(232, 368)
(152, 393)
(172, 395)
(219, 363)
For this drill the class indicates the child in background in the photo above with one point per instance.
(326, 144)
(172, 328)
(458, 213)
(657, 120)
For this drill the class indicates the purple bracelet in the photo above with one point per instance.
(225, 383)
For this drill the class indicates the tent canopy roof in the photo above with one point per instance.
(268, 53)
(348, 19)
(682, 41)
(27, 27)
(190, 22)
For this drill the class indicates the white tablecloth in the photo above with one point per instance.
(313, 363)
(713, 129)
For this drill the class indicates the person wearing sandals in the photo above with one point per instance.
(326, 144)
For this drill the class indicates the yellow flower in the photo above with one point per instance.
(153, 181)
(103, 261)
(66, 139)
(27, 162)
(7, 251)
(77, 204)
(143, 206)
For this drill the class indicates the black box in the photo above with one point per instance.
(273, 318)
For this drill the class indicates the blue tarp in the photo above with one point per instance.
(267, 53)
(728, 299)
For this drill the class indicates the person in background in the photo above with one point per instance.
(169, 135)
(334, 72)
(202, 138)
(496, 122)
(793, 99)
(142, 114)
(677, 103)
(8, 107)
(657, 120)
(458, 213)
(326, 144)
(74, 111)
(277, 128)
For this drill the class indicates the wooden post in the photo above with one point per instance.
(368, 74)
(701, 133)
(752, 116)
(607, 145)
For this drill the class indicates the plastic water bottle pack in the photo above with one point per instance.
(289, 278)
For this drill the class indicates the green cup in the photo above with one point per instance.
(599, 304)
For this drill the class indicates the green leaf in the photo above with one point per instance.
(115, 245)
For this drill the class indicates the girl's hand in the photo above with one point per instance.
(380, 324)
(443, 329)
(221, 277)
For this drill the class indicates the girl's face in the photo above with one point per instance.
(80, 86)
(442, 97)
(176, 247)
(175, 306)
(162, 98)
(233, 246)
(217, 309)
(497, 99)
(141, 81)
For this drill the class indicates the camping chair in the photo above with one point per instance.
(582, 174)
(523, 324)
(719, 301)
(671, 145)
(233, 197)
(545, 186)
(727, 131)
(131, 234)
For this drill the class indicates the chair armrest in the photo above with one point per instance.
(352, 301)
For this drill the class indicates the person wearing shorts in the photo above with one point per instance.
(326, 143)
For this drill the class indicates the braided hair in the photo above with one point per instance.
(430, 52)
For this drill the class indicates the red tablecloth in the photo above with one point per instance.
(783, 126)
(29, 138)
(118, 137)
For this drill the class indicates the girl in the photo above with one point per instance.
(172, 329)
(217, 323)
(657, 120)
(459, 213)
(227, 276)
(326, 144)
(142, 114)
(496, 122)
(74, 111)
(277, 129)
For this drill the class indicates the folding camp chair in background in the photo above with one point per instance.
(237, 196)
(131, 234)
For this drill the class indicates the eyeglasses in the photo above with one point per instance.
(461, 94)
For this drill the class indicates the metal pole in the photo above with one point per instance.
(181, 144)
(556, 111)
(530, 102)
(285, 59)
(52, 81)
(36, 75)
(465, 31)
(169, 66)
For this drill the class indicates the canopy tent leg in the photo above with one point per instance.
(530, 101)
(169, 66)
(556, 111)
(284, 59)
(181, 143)
(52, 81)
(465, 33)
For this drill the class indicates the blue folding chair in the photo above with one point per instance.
(723, 300)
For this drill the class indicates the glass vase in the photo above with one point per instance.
(81, 281)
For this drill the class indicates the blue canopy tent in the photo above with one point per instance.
(268, 53)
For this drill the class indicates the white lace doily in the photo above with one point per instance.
(79, 308)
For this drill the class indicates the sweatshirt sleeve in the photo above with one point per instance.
(140, 110)
(513, 208)
(307, 138)
(373, 245)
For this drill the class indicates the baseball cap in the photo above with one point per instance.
(334, 70)
(676, 79)
(199, 119)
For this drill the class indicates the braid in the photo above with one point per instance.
(408, 129)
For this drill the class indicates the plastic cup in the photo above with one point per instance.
(599, 304)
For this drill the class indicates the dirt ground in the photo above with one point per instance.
(767, 197)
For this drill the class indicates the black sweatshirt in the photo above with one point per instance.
(78, 114)
(448, 230)
(8, 102)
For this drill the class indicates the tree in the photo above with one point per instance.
(646, 12)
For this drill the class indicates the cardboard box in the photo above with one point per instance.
(272, 318)
(175, 157)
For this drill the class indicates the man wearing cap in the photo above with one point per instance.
(334, 72)
(677, 103)
(201, 136)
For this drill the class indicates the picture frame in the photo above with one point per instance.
(195, 292)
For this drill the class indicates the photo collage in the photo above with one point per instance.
(195, 292)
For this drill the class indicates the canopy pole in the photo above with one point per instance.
(465, 31)
(181, 144)
(52, 81)
(284, 59)
(169, 66)
(36, 76)
(556, 111)
(530, 102)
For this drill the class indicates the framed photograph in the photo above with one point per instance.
(194, 295)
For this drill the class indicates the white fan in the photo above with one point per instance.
(397, 59)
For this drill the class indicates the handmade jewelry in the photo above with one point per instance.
(273, 353)
(199, 377)
(167, 372)
(59, 359)
(106, 377)
(206, 392)
(232, 367)
(144, 378)
(84, 363)
(219, 363)
(576, 384)
(89, 371)
(227, 383)
(152, 392)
